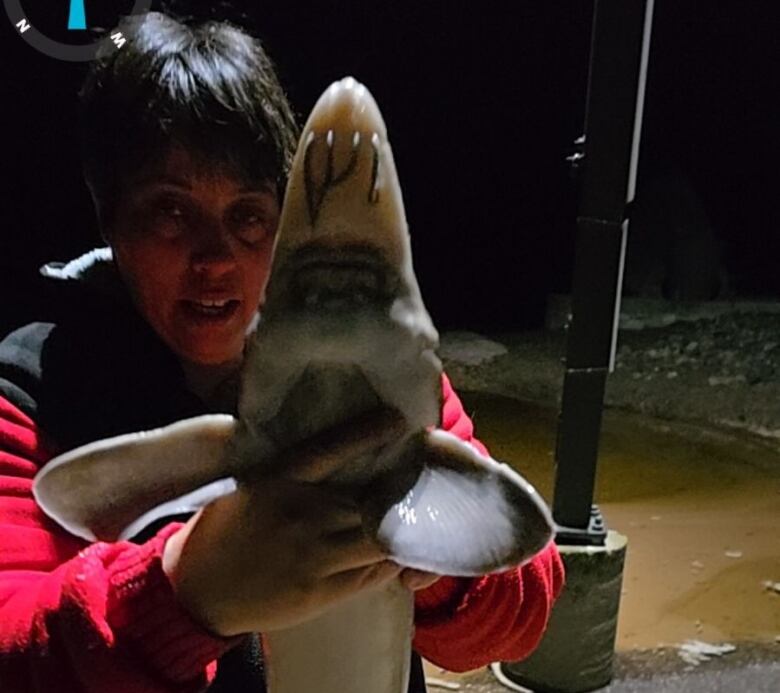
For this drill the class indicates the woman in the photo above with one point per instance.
(188, 138)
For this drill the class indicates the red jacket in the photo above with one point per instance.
(103, 617)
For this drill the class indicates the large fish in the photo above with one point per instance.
(344, 331)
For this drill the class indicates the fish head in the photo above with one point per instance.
(343, 240)
(342, 296)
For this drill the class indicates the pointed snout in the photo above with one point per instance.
(347, 106)
(343, 151)
(343, 189)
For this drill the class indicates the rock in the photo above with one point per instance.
(770, 586)
(664, 352)
(441, 683)
(694, 652)
(717, 380)
(469, 348)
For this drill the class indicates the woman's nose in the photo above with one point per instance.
(213, 253)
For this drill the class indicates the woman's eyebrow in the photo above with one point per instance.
(260, 187)
(164, 179)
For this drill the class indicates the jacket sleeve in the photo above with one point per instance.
(466, 623)
(79, 617)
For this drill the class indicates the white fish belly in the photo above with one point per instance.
(360, 646)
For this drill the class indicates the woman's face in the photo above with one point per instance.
(194, 247)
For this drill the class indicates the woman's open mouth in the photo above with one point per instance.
(212, 310)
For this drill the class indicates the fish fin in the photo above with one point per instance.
(466, 515)
(188, 503)
(99, 490)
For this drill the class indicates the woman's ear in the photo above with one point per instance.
(107, 237)
(102, 215)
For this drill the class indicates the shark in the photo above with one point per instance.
(344, 330)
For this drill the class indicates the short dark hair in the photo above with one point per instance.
(209, 87)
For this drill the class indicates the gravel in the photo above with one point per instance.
(721, 371)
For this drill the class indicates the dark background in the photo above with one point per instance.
(482, 103)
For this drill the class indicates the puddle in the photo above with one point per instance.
(701, 510)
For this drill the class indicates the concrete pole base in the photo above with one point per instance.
(577, 650)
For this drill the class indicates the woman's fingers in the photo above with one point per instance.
(346, 582)
(349, 550)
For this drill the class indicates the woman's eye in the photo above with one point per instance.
(250, 225)
(173, 210)
(170, 210)
(168, 219)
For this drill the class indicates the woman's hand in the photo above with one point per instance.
(279, 551)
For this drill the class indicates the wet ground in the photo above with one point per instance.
(750, 669)
(701, 509)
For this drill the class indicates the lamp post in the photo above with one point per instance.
(576, 654)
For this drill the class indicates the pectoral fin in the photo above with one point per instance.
(112, 488)
(466, 514)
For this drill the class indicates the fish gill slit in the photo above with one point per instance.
(373, 191)
(351, 164)
(312, 203)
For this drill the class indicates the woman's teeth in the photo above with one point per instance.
(213, 307)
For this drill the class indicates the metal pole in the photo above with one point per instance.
(616, 86)
(577, 651)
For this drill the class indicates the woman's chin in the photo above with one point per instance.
(205, 356)
(209, 342)
(206, 348)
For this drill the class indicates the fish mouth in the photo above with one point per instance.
(334, 278)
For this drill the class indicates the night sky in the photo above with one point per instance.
(482, 105)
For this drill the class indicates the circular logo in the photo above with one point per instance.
(72, 52)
